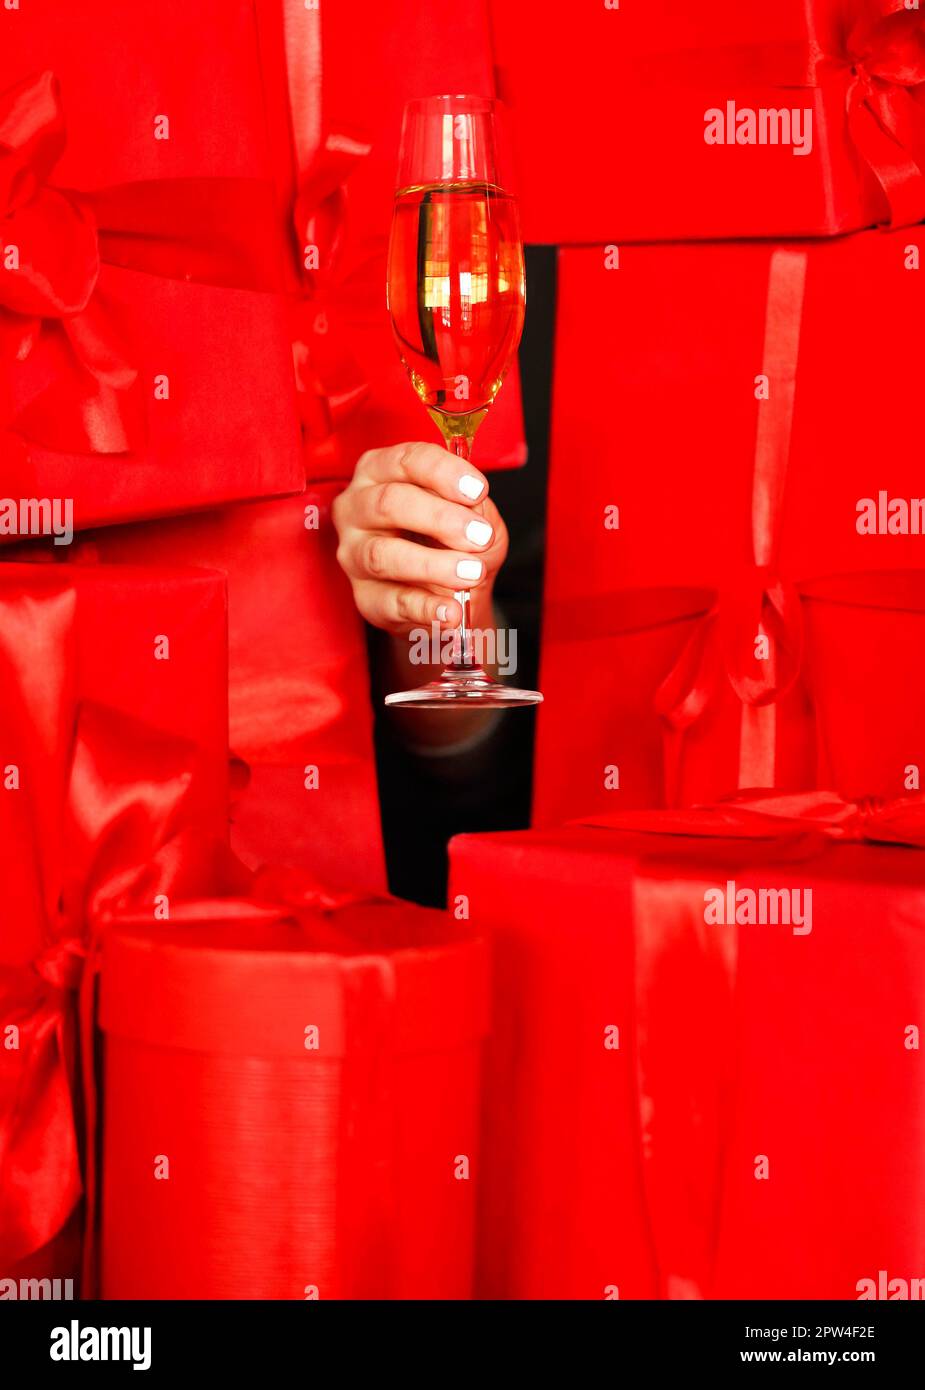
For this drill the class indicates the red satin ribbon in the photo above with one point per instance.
(330, 382)
(757, 601)
(774, 815)
(72, 384)
(39, 1151)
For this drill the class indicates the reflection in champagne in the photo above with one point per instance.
(456, 296)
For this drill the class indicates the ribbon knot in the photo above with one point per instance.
(753, 634)
(61, 965)
(761, 630)
(869, 810)
(864, 82)
(888, 42)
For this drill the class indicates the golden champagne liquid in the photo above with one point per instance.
(456, 296)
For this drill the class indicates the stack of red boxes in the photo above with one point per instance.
(705, 1076)
(728, 406)
(735, 586)
(194, 206)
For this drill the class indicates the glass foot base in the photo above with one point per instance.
(464, 685)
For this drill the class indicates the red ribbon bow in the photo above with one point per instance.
(101, 820)
(886, 122)
(138, 849)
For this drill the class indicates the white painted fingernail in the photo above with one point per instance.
(468, 569)
(478, 532)
(442, 612)
(471, 486)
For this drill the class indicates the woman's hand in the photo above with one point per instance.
(398, 500)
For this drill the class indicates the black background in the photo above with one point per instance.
(424, 802)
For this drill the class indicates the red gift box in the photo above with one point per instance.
(144, 332)
(298, 680)
(350, 1040)
(114, 696)
(347, 111)
(771, 340)
(755, 1127)
(637, 89)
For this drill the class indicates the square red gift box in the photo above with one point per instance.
(704, 1078)
(291, 1102)
(759, 412)
(144, 335)
(672, 121)
(113, 706)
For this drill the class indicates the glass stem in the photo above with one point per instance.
(461, 446)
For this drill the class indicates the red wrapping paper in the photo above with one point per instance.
(698, 325)
(120, 761)
(630, 91)
(833, 1096)
(145, 336)
(736, 1042)
(365, 1133)
(298, 681)
(561, 1205)
(746, 513)
(354, 393)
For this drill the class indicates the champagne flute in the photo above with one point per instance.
(456, 298)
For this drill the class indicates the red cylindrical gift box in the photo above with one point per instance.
(291, 1110)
